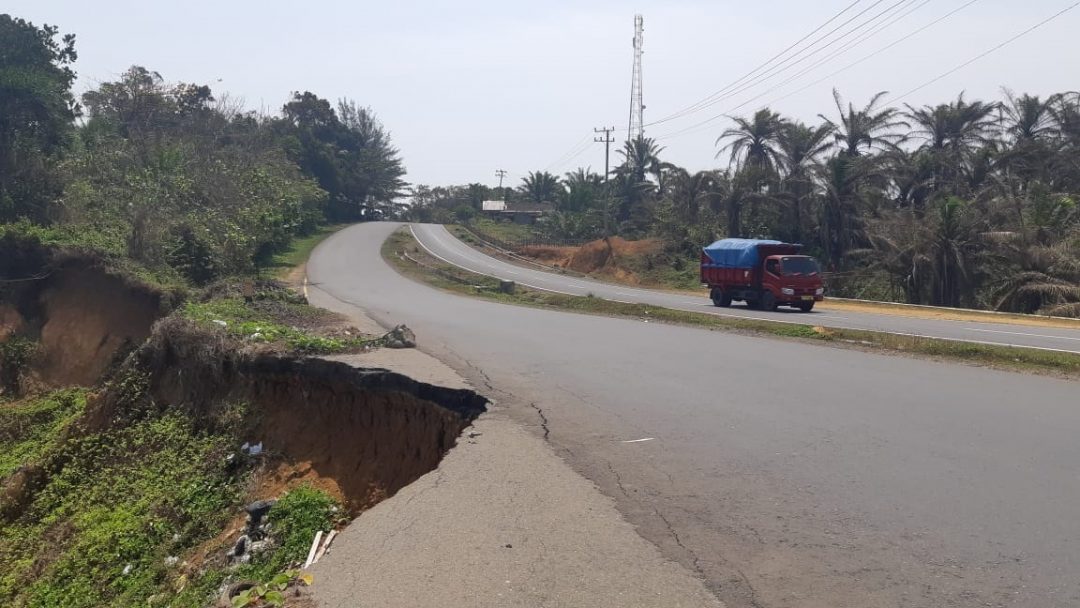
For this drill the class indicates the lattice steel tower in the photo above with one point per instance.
(637, 105)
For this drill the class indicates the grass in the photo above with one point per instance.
(441, 275)
(118, 511)
(272, 322)
(298, 252)
(507, 232)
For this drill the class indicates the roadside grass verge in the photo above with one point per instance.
(403, 252)
(298, 252)
(290, 325)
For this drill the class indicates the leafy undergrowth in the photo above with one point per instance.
(277, 318)
(445, 276)
(118, 513)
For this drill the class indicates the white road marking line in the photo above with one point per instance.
(638, 440)
(1019, 333)
(775, 320)
(619, 301)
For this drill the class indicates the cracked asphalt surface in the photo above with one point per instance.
(786, 474)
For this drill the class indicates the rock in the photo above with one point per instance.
(221, 323)
(127, 570)
(171, 561)
(399, 337)
(260, 547)
(241, 546)
(257, 510)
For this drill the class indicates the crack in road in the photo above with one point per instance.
(543, 419)
(678, 541)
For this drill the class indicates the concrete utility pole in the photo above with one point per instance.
(606, 140)
(500, 173)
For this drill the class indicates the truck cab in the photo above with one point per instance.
(792, 280)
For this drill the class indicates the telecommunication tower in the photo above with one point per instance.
(637, 105)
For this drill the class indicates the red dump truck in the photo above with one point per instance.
(764, 274)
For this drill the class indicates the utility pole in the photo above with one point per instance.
(607, 139)
(501, 173)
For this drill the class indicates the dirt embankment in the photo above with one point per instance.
(614, 257)
(81, 317)
(360, 434)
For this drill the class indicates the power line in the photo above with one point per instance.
(693, 107)
(787, 63)
(987, 52)
(581, 144)
(904, 38)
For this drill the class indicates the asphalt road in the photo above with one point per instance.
(445, 245)
(786, 474)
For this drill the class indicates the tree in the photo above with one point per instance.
(800, 146)
(755, 143)
(871, 129)
(350, 154)
(541, 187)
(36, 114)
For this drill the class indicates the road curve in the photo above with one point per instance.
(440, 242)
(787, 474)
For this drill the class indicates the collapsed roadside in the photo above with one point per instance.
(138, 422)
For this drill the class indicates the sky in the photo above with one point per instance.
(471, 86)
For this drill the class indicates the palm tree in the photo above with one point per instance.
(691, 193)
(582, 188)
(754, 143)
(800, 146)
(641, 157)
(952, 133)
(867, 130)
(541, 186)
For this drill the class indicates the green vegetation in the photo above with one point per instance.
(298, 251)
(451, 278)
(272, 321)
(121, 510)
(966, 203)
(15, 354)
(114, 506)
(168, 176)
(29, 429)
(296, 518)
(172, 185)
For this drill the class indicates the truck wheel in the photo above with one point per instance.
(768, 301)
(725, 300)
(806, 306)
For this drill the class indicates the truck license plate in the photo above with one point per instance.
(808, 297)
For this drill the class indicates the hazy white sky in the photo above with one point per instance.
(470, 86)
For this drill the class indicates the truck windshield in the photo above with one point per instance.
(801, 266)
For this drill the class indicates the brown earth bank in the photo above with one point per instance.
(82, 316)
(613, 257)
(361, 434)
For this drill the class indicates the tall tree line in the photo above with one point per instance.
(171, 174)
(964, 203)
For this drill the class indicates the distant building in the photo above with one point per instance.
(521, 213)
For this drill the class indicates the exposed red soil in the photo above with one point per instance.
(611, 257)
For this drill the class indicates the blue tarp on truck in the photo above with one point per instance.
(736, 253)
